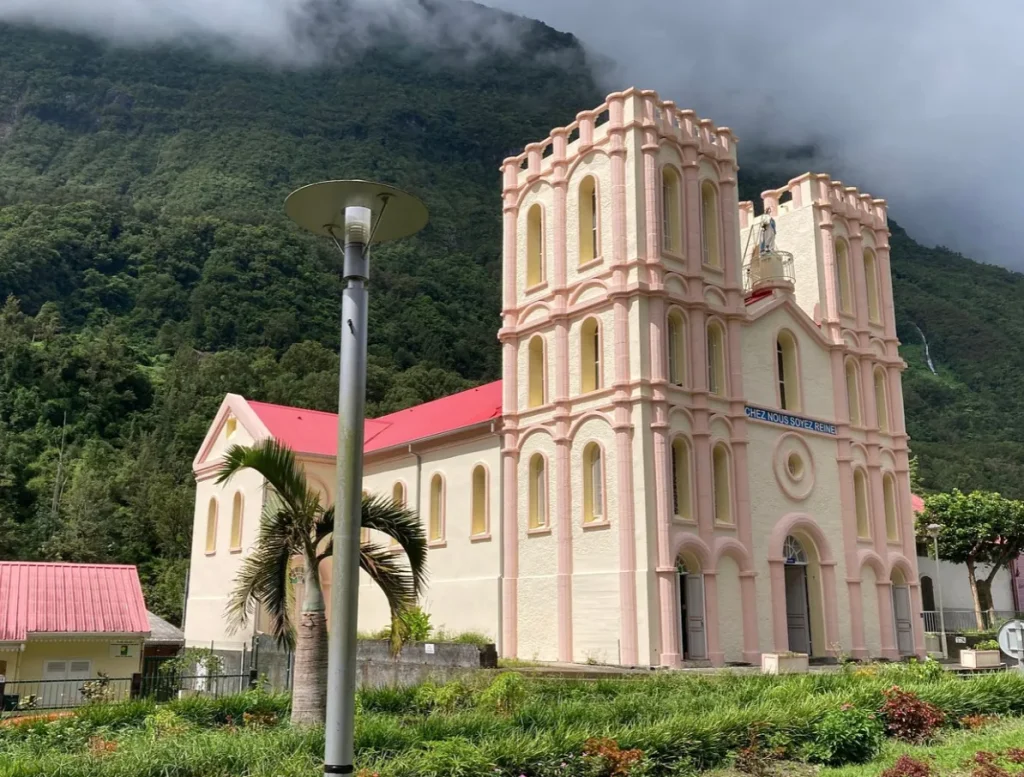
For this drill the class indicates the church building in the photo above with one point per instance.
(697, 450)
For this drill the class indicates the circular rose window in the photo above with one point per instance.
(794, 466)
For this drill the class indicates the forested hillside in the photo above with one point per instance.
(148, 269)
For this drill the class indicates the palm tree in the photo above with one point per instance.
(295, 523)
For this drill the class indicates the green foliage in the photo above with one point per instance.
(505, 694)
(988, 644)
(192, 660)
(414, 624)
(846, 735)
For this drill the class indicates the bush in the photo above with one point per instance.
(908, 767)
(909, 718)
(505, 694)
(846, 735)
(988, 644)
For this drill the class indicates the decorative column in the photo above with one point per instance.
(715, 654)
(510, 549)
(564, 564)
(780, 632)
(691, 209)
(828, 252)
(860, 286)
(888, 626)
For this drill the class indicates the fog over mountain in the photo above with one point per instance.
(913, 101)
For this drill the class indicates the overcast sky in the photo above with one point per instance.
(917, 101)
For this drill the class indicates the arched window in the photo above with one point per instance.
(534, 246)
(398, 497)
(881, 400)
(793, 551)
(676, 348)
(436, 527)
(537, 395)
(789, 376)
(671, 211)
(538, 492)
(589, 246)
(716, 359)
(230, 427)
(852, 392)
(593, 484)
(892, 524)
(681, 478)
(590, 352)
(871, 280)
(709, 224)
(927, 594)
(843, 277)
(236, 522)
(860, 499)
(479, 525)
(364, 534)
(211, 527)
(722, 484)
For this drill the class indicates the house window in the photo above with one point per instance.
(881, 400)
(211, 527)
(676, 348)
(534, 246)
(590, 350)
(843, 277)
(479, 501)
(593, 484)
(722, 487)
(709, 225)
(716, 359)
(537, 393)
(236, 522)
(398, 497)
(892, 526)
(680, 478)
(671, 211)
(538, 493)
(871, 280)
(230, 427)
(789, 377)
(860, 497)
(589, 247)
(436, 527)
(852, 392)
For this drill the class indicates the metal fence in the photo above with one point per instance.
(48, 695)
(956, 621)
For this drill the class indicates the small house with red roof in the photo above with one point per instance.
(697, 451)
(69, 622)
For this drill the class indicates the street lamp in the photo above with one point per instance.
(354, 214)
(933, 531)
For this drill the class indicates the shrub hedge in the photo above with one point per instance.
(537, 728)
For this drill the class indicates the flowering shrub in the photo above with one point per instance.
(909, 718)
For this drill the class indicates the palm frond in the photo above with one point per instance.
(276, 463)
(392, 577)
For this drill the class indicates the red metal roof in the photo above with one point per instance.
(69, 599)
(311, 431)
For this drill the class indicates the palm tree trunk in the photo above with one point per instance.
(309, 684)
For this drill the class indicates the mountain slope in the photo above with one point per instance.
(142, 235)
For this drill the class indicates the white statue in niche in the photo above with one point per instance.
(767, 244)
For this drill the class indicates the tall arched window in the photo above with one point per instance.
(843, 277)
(589, 245)
(538, 492)
(892, 525)
(789, 375)
(681, 478)
(871, 280)
(236, 522)
(398, 497)
(716, 359)
(671, 211)
(537, 395)
(479, 525)
(675, 348)
(534, 246)
(436, 527)
(709, 224)
(211, 527)
(852, 392)
(590, 354)
(593, 484)
(881, 400)
(860, 498)
(722, 484)
(364, 533)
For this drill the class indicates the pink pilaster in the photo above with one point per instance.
(564, 563)
(691, 208)
(748, 597)
(832, 301)
(860, 286)
(715, 653)
(627, 538)
(510, 549)
(561, 187)
(886, 622)
(885, 271)
(729, 210)
(780, 632)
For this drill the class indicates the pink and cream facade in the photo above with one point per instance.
(697, 450)
(703, 449)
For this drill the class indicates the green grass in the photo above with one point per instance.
(506, 726)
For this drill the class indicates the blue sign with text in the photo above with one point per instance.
(784, 419)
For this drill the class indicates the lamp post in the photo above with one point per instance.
(933, 531)
(354, 214)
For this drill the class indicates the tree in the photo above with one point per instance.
(979, 529)
(295, 523)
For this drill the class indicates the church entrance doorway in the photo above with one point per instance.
(901, 612)
(691, 609)
(798, 608)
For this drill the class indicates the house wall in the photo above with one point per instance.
(30, 664)
(956, 588)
